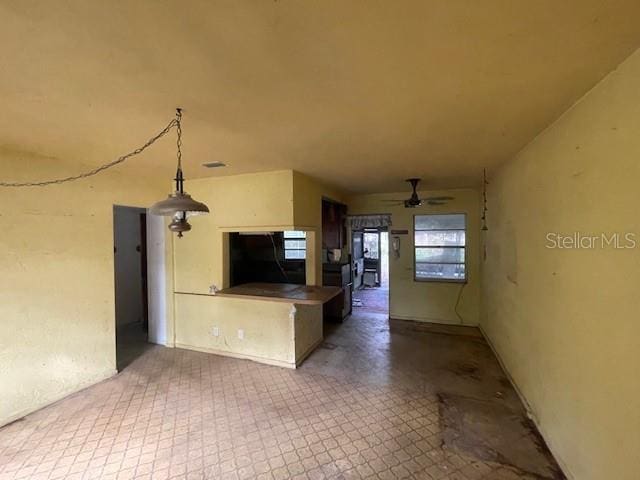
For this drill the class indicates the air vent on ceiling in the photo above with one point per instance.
(214, 164)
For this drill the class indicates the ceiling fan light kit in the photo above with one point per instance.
(414, 200)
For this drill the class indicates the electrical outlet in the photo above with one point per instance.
(215, 332)
(241, 334)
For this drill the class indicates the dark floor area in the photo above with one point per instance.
(481, 414)
(131, 343)
(371, 299)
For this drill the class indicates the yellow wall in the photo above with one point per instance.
(277, 333)
(262, 201)
(307, 213)
(268, 327)
(57, 327)
(272, 201)
(428, 301)
(565, 322)
(56, 267)
(308, 328)
(308, 195)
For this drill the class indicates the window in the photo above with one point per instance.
(371, 244)
(439, 242)
(295, 245)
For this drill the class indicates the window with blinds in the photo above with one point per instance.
(440, 247)
(295, 245)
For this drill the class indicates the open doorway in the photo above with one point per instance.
(130, 280)
(371, 256)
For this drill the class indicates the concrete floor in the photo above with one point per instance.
(376, 401)
(371, 299)
(480, 413)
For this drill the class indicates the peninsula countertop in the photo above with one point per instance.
(282, 292)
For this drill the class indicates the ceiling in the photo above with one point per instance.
(360, 94)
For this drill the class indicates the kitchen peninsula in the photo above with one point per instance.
(273, 323)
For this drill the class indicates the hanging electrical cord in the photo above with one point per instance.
(275, 257)
(455, 308)
(43, 183)
(484, 199)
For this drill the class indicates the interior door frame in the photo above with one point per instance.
(144, 271)
(377, 231)
(354, 259)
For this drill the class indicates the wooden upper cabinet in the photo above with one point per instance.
(334, 233)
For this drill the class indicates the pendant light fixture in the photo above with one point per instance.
(179, 204)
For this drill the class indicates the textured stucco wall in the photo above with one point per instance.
(255, 201)
(268, 327)
(57, 332)
(565, 321)
(308, 330)
(276, 333)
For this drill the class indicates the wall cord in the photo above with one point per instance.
(455, 308)
(275, 257)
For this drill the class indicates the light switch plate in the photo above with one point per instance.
(241, 334)
(215, 332)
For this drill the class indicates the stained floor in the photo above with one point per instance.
(480, 413)
(377, 401)
(371, 299)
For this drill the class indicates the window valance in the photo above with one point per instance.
(358, 222)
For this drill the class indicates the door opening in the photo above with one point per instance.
(131, 283)
(371, 263)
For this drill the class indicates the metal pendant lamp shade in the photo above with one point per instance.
(179, 204)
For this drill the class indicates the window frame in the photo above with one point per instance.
(285, 249)
(466, 247)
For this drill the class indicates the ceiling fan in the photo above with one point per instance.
(415, 201)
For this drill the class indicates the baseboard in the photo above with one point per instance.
(396, 324)
(241, 356)
(561, 463)
(57, 397)
(432, 320)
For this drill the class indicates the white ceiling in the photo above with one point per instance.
(361, 94)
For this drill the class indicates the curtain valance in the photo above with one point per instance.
(358, 222)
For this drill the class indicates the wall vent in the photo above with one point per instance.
(214, 164)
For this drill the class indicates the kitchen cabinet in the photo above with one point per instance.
(334, 232)
(338, 275)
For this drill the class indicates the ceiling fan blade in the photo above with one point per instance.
(440, 199)
(413, 201)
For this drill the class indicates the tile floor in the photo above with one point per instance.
(180, 414)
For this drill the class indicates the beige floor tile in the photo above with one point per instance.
(361, 409)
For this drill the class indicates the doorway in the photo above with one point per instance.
(371, 260)
(131, 283)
